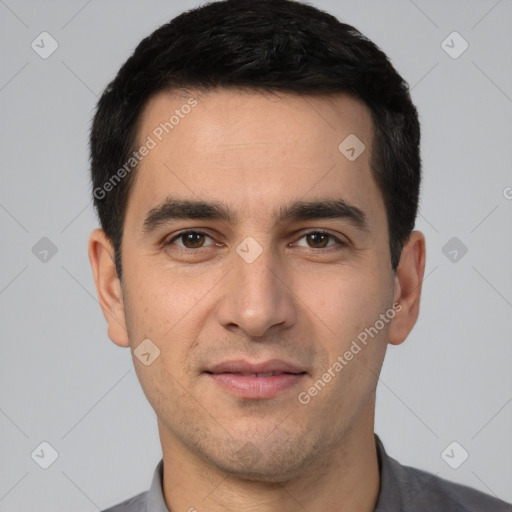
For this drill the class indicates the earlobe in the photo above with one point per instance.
(408, 283)
(108, 287)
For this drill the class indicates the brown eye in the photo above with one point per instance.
(190, 240)
(320, 240)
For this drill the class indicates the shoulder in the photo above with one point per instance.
(422, 491)
(135, 504)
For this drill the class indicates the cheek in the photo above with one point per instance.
(166, 308)
(153, 311)
(159, 298)
(345, 301)
(355, 346)
(345, 309)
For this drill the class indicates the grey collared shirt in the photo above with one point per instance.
(402, 489)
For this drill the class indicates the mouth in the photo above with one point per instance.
(256, 380)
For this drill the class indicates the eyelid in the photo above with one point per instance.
(340, 241)
(185, 232)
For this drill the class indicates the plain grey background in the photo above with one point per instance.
(62, 381)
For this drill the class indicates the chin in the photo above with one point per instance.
(278, 462)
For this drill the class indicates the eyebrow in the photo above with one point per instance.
(175, 209)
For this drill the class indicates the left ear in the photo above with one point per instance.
(408, 281)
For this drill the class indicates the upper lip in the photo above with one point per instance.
(242, 366)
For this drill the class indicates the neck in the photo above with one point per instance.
(343, 479)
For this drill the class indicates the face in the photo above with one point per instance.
(258, 299)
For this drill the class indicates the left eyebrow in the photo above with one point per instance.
(329, 209)
(336, 209)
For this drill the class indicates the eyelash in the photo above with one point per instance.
(340, 243)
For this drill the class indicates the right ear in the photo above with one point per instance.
(108, 286)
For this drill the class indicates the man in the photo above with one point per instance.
(256, 172)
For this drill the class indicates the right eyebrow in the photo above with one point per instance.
(174, 209)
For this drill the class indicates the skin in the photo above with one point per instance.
(299, 300)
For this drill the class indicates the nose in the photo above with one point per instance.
(257, 297)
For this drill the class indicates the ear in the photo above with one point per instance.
(408, 281)
(108, 287)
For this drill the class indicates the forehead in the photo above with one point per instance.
(232, 119)
(254, 150)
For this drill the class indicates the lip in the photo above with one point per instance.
(239, 377)
(244, 367)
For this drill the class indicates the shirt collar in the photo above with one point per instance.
(389, 498)
(155, 498)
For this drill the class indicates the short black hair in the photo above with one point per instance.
(260, 45)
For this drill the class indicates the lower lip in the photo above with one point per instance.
(256, 387)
